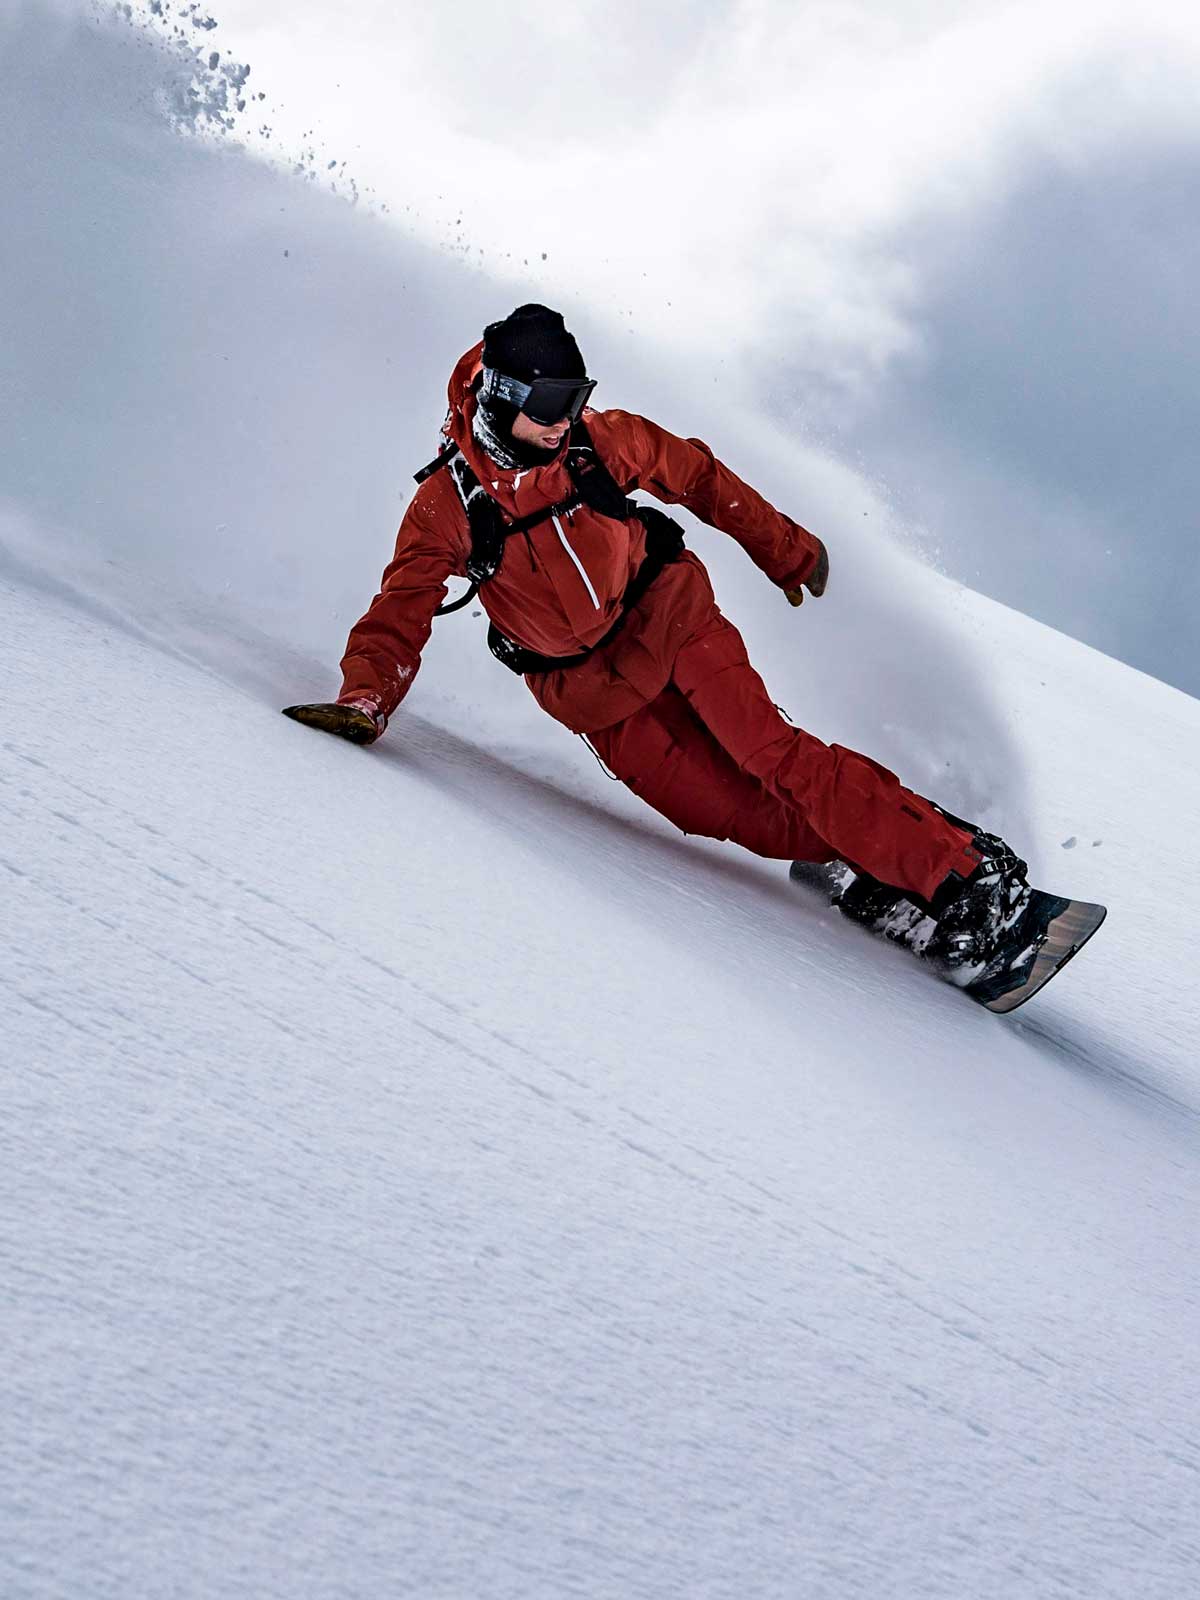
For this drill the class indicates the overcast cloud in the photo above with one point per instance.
(955, 242)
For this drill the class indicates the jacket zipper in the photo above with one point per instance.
(578, 564)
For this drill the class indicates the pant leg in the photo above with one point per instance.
(867, 816)
(666, 755)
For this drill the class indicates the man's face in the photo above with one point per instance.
(546, 436)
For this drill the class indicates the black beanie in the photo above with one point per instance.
(532, 343)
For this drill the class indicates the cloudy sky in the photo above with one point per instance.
(955, 244)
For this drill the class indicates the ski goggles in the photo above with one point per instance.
(544, 401)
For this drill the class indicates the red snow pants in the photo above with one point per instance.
(714, 756)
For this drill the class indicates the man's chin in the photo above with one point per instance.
(548, 451)
(529, 454)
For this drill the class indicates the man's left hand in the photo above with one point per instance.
(816, 580)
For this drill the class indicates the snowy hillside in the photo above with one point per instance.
(423, 1171)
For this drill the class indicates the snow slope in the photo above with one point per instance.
(424, 1172)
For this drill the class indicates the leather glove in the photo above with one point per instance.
(816, 580)
(360, 721)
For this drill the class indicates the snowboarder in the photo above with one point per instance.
(594, 599)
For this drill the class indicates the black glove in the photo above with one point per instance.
(359, 722)
(816, 580)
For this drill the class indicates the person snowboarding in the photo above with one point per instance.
(595, 600)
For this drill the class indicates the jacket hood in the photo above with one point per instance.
(461, 396)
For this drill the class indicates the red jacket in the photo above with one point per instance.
(559, 587)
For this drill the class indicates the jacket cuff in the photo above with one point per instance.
(370, 705)
(369, 689)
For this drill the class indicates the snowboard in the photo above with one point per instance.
(1054, 930)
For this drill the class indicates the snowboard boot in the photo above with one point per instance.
(994, 936)
(867, 901)
(981, 919)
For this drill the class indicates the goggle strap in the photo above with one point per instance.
(499, 386)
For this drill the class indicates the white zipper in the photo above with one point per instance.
(578, 564)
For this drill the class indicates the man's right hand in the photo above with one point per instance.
(360, 721)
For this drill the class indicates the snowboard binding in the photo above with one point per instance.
(1041, 938)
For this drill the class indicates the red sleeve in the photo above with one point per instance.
(383, 651)
(685, 472)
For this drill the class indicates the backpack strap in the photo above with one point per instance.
(483, 519)
(664, 544)
(457, 605)
(442, 459)
(593, 485)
